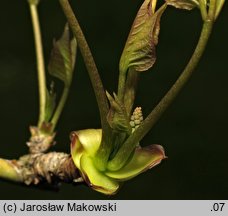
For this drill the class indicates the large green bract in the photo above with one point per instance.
(85, 143)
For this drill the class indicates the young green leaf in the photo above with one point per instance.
(117, 116)
(139, 51)
(63, 56)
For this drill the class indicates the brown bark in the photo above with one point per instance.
(52, 167)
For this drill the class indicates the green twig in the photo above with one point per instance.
(203, 9)
(126, 149)
(60, 107)
(130, 91)
(88, 59)
(40, 60)
(212, 8)
(106, 144)
(9, 171)
(121, 86)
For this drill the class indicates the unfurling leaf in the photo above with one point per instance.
(63, 56)
(184, 4)
(117, 116)
(139, 51)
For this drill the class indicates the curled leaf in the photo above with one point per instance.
(184, 4)
(139, 51)
(84, 142)
(63, 56)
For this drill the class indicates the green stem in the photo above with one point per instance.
(35, 2)
(203, 9)
(106, 144)
(59, 108)
(219, 6)
(121, 86)
(88, 59)
(126, 149)
(40, 60)
(131, 86)
(212, 8)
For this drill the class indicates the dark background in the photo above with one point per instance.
(193, 130)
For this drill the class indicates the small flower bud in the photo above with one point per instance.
(136, 118)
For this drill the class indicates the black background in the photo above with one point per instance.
(193, 130)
